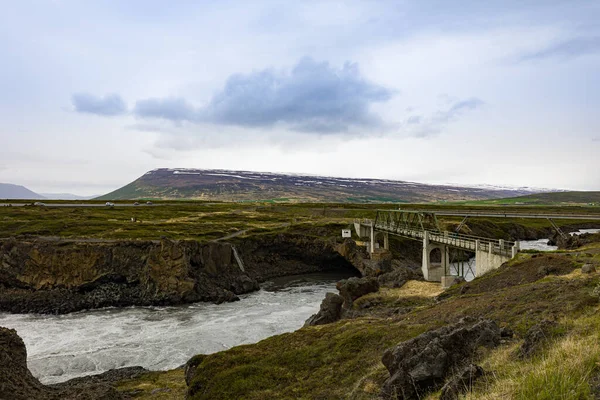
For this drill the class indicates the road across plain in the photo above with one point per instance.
(507, 214)
(76, 205)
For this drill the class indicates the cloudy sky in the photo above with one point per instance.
(95, 93)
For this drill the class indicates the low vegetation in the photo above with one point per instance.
(209, 221)
(343, 359)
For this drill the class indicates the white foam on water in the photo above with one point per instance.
(61, 347)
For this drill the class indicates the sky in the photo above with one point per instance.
(501, 92)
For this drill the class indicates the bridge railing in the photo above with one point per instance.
(363, 221)
(468, 242)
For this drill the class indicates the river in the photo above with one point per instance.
(61, 347)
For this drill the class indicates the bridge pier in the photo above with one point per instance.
(434, 272)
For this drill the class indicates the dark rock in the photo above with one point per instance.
(455, 280)
(461, 382)
(15, 379)
(109, 377)
(330, 311)
(398, 277)
(244, 284)
(358, 256)
(506, 332)
(536, 337)
(353, 288)
(548, 270)
(420, 365)
(588, 269)
(190, 367)
(270, 256)
(225, 296)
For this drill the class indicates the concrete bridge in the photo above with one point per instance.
(423, 226)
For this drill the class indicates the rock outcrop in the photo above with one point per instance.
(536, 337)
(59, 277)
(461, 382)
(421, 364)
(357, 255)
(588, 269)
(353, 288)
(399, 276)
(17, 383)
(330, 311)
(270, 256)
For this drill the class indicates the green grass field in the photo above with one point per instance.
(207, 221)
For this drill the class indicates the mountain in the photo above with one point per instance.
(224, 185)
(66, 196)
(14, 192)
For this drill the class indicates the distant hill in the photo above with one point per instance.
(66, 196)
(224, 185)
(573, 197)
(15, 192)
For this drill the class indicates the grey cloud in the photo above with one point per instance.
(174, 109)
(574, 47)
(435, 124)
(312, 97)
(457, 109)
(107, 106)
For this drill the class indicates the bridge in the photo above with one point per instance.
(423, 225)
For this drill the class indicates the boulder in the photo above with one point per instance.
(421, 364)
(461, 382)
(536, 337)
(588, 269)
(398, 277)
(506, 332)
(15, 378)
(190, 367)
(353, 288)
(330, 311)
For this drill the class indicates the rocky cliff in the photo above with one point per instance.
(60, 276)
(65, 276)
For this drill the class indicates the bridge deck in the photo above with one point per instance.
(460, 241)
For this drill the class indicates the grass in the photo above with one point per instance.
(330, 361)
(563, 370)
(546, 199)
(208, 221)
(343, 360)
(156, 386)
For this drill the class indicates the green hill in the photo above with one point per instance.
(552, 198)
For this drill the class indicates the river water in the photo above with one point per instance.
(61, 347)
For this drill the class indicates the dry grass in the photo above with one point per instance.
(562, 371)
(420, 289)
(168, 385)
